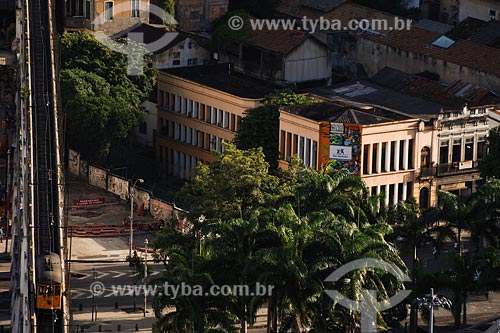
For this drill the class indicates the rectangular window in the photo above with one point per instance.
(374, 156)
(108, 11)
(135, 8)
(410, 154)
(493, 14)
(315, 154)
(456, 154)
(443, 152)
(393, 156)
(481, 147)
(80, 8)
(87, 9)
(401, 154)
(382, 162)
(469, 149)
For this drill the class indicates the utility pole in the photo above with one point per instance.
(140, 180)
(146, 242)
(94, 275)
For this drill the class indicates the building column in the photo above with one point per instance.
(388, 156)
(379, 158)
(312, 155)
(300, 149)
(369, 157)
(405, 191)
(406, 151)
(396, 155)
(377, 192)
(387, 195)
(395, 196)
(285, 145)
(224, 117)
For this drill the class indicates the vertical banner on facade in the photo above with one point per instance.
(118, 186)
(97, 177)
(142, 197)
(84, 169)
(345, 148)
(74, 162)
(160, 209)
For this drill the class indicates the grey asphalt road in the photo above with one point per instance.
(107, 275)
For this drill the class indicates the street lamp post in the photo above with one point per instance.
(433, 301)
(146, 242)
(140, 180)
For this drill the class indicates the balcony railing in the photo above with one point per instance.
(427, 172)
(456, 168)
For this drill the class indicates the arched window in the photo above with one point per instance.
(424, 198)
(425, 157)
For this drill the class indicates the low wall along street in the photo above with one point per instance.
(103, 179)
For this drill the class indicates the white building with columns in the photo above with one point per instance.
(376, 143)
(394, 153)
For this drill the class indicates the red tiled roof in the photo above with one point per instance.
(352, 11)
(463, 52)
(294, 8)
(280, 41)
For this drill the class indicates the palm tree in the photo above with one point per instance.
(183, 265)
(455, 213)
(485, 207)
(413, 228)
(461, 278)
(235, 250)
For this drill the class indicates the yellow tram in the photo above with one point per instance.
(48, 291)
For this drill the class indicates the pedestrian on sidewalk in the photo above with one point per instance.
(1, 235)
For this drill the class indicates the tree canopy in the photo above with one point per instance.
(260, 126)
(289, 233)
(101, 103)
(489, 164)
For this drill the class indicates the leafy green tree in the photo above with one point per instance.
(489, 164)
(260, 126)
(168, 6)
(485, 208)
(230, 187)
(101, 103)
(287, 97)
